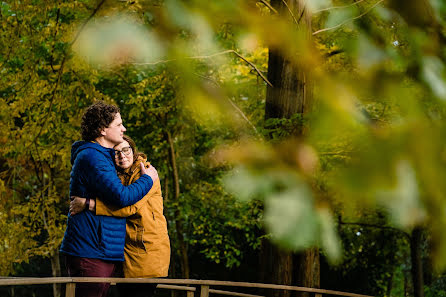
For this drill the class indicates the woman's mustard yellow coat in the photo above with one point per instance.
(147, 245)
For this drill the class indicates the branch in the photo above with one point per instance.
(269, 6)
(59, 75)
(213, 55)
(340, 153)
(255, 68)
(195, 57)
(338, 7)
(291, 13)
(87, 21)
(35, 167)
(54, 37)
(232, 103)
(333, 53)
(302, 14)
(349, 20)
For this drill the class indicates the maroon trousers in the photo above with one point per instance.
(85, 267)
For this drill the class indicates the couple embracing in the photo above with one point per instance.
(116, 226)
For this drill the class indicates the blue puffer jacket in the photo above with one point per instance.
(93, 175)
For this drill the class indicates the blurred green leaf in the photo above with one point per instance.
(291, 218)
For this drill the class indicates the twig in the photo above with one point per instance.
(268, 5)
(232, 103)
(255, 68)
(340, 153)
(213, 55)
(338, 7)
(54, 37)
(349, 20)
(333, 53)
(302, 14)
(194, 57)
(87, 21)
(291, 13)
(59, 75)
(243, 115)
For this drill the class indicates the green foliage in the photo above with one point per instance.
(222, 228)
(278, 129)
(375, 254)
(437, 289)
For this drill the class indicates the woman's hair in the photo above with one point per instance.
(132, 144)
(97, 117)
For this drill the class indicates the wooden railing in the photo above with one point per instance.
(191, 286)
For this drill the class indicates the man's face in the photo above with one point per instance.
(114, 132)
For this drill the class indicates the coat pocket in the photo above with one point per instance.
(139, 240)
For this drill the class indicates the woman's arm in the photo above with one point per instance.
(78, 205)
(109, 210)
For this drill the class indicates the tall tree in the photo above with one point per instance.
(290, 95)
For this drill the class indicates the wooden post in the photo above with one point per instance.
(190, 294)
(317, 295)
(204, 292)
(70, 290)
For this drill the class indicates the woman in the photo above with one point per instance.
(147, 245)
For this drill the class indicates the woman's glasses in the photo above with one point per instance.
(125, 150)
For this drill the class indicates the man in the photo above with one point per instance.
(92, 244)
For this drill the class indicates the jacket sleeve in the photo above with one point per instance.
(112, 211)
(104, 181)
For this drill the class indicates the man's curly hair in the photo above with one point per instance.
(98, 116)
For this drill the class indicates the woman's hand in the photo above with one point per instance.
(77, 205)
(151, 171)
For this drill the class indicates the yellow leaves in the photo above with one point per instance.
(242, 70)
(324, 49)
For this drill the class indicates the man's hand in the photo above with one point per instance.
(151, 171)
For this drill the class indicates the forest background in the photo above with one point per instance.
(298, 142)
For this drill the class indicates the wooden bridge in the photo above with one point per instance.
(201, 288)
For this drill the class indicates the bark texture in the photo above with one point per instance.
(290, 94)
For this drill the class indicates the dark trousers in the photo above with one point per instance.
(136, 290)
(85, 267)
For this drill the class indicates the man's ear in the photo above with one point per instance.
(103, 133)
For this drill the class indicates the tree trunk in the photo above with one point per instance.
(307, 270)
(55, 268)
(178, 221)
(406, 285)
(290, 94)
(390, 284)
(282, 272)
(417, 267)
(428, 268)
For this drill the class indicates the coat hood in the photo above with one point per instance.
(79, 146)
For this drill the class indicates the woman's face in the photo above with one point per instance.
(123, 155)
